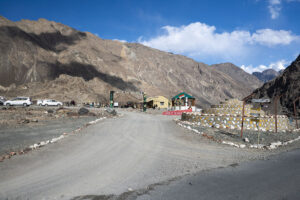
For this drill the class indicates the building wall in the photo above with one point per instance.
(157, 101)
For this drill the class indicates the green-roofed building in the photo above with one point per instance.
(183, 101)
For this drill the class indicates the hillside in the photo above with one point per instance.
(287, 84)
(266, 75)
(48, 59)
(238, 75)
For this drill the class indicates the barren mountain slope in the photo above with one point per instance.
(48, 59)
(287, 84)
(247, 80)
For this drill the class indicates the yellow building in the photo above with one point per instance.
(157, 102)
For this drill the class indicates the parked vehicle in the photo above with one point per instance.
(39, 102)
(2, 100)
(51, 102)
(19, 101)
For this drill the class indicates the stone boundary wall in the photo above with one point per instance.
(266, 123)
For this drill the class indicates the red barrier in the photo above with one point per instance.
(176, 112)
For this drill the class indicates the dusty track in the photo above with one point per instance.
(108, 158)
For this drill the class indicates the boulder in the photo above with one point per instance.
(83, 111)
(111, 111)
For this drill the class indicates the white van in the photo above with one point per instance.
(18, 101)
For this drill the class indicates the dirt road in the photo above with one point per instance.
(276, 178)
(113, 156)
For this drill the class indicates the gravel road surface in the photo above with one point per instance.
(277, 178)
(114, 156)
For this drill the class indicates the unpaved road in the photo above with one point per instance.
(113, 155)
(277, 178)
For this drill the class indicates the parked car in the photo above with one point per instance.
(39, 102)
(2, 100)
(51, 102)
(18, 101)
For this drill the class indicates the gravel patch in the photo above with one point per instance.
(13, 139)
(21, 127)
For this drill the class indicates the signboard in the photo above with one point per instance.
(256, 115)
(176, 112)
(256, 109)
(261, 101)
(255, 119)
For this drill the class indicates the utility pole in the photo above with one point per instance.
(295, 111)
(243, 112)
(275, 105)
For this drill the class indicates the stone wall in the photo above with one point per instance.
(228, 114)
(266, 123)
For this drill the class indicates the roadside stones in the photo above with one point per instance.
(43, 143)
(111, 111)
(246, 140)
(274, 145)
(2, 158)
(25, 121)
(83, 111)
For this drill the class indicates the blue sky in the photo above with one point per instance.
(253, 34)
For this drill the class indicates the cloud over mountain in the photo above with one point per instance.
(202, 39)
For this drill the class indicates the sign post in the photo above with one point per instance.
(256, 118)
(144, 102)
(111, 99)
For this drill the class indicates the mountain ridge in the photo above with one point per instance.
(266, 75)
(286, 85)
(37, 55)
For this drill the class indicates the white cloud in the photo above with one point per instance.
(272, 37)
(198, 38)
(123, 41)
(277, 66)
(202, 39)
(274, 8)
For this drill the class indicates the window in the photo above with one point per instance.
(162, 103)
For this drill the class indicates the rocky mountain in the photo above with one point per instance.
(287, 84)
(238, 75)
(266, 75)
(45, 59)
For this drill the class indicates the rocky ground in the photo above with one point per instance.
(25, 126)
(253, 139)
